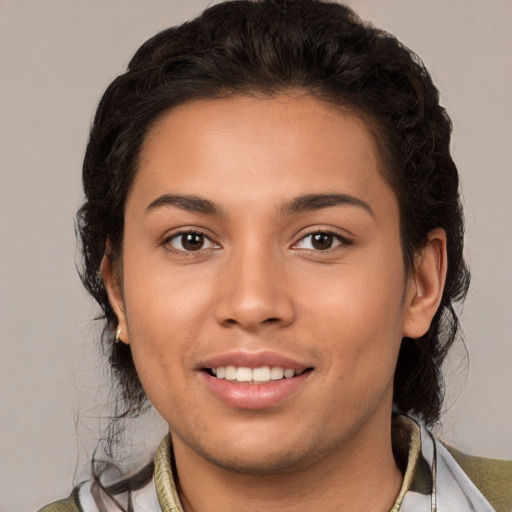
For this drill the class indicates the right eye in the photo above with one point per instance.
(190, 241)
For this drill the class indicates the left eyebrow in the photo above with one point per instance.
(310, 202)
(190, 203)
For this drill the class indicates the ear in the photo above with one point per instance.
(111, 281)
(425, 285)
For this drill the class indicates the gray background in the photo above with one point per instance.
(56, 58)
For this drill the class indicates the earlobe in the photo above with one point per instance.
(425, 285)
(115, 296)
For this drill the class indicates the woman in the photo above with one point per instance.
(273, 230)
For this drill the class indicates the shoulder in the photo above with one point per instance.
(66, 505)
(493, 477)
(136, 493)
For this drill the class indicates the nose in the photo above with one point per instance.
(253, 292)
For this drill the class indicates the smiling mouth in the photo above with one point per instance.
(254, 375)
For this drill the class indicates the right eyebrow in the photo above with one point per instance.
(190, 203)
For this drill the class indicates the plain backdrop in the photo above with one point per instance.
(56, 58)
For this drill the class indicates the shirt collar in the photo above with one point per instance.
(407, 447)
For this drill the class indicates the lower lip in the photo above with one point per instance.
(245, 395)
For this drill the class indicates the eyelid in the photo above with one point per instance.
(343, 240)
(175, 234)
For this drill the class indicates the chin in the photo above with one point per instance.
(261, 464)
(251, 456)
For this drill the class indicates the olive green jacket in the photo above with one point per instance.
(437, 478)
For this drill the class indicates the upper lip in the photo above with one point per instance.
(243, 358)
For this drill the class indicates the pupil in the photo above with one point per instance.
(192, 241)
(322, 241)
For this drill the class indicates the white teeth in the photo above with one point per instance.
(230, 373)
(276, 373)
(261, 374)
(245, 374)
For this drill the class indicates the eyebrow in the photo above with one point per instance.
(304, 203)
(310, 202)
(193, 204)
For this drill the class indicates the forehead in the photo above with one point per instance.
(255, 148)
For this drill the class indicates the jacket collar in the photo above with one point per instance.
(433, 481)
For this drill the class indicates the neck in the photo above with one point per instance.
(339, 481)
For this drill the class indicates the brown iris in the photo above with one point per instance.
(192, 241)
(322, 241)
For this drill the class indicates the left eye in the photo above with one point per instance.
(320, 241)
(190, 242)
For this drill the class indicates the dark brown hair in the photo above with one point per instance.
(264, 47)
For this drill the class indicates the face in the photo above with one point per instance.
(263, 289)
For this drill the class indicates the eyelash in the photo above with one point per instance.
(341, 241)
(180, 235)
(336, 239)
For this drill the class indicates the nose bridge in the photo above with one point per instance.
(252, 292)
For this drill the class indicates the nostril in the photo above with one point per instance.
(273, 320)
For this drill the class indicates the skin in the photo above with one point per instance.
(258, 284)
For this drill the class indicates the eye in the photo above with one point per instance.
(190, 241)
(320, 241)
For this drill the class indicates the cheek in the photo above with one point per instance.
(164, 299)
(362, 297)
(358, 315)
(165, 314)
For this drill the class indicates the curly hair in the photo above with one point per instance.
(264, 47)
